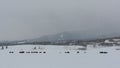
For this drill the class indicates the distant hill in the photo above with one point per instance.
(75, 35)
(68, 36)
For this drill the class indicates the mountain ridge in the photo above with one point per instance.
(75, 35)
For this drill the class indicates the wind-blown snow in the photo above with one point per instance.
(55, 57)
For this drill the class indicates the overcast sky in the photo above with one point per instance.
(22, 19)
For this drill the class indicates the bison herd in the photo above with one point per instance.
(21, 52)
(66, 52)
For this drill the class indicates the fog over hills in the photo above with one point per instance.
(76, 35)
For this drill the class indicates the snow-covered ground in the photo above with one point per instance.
(55, 57)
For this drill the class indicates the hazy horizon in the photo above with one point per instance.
(24, 19)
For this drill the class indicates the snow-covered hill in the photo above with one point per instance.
(59, 57)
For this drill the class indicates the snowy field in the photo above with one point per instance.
(49, 56)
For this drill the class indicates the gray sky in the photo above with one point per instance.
(22, 19)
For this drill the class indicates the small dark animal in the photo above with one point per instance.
(103, 52)
(77, 51)
(44, 52)
(27, 52)
(22, 52)
(40, 52)
(11, 52)
(67, 52)
(34, 52)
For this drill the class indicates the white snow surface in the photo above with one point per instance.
(55, 57)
